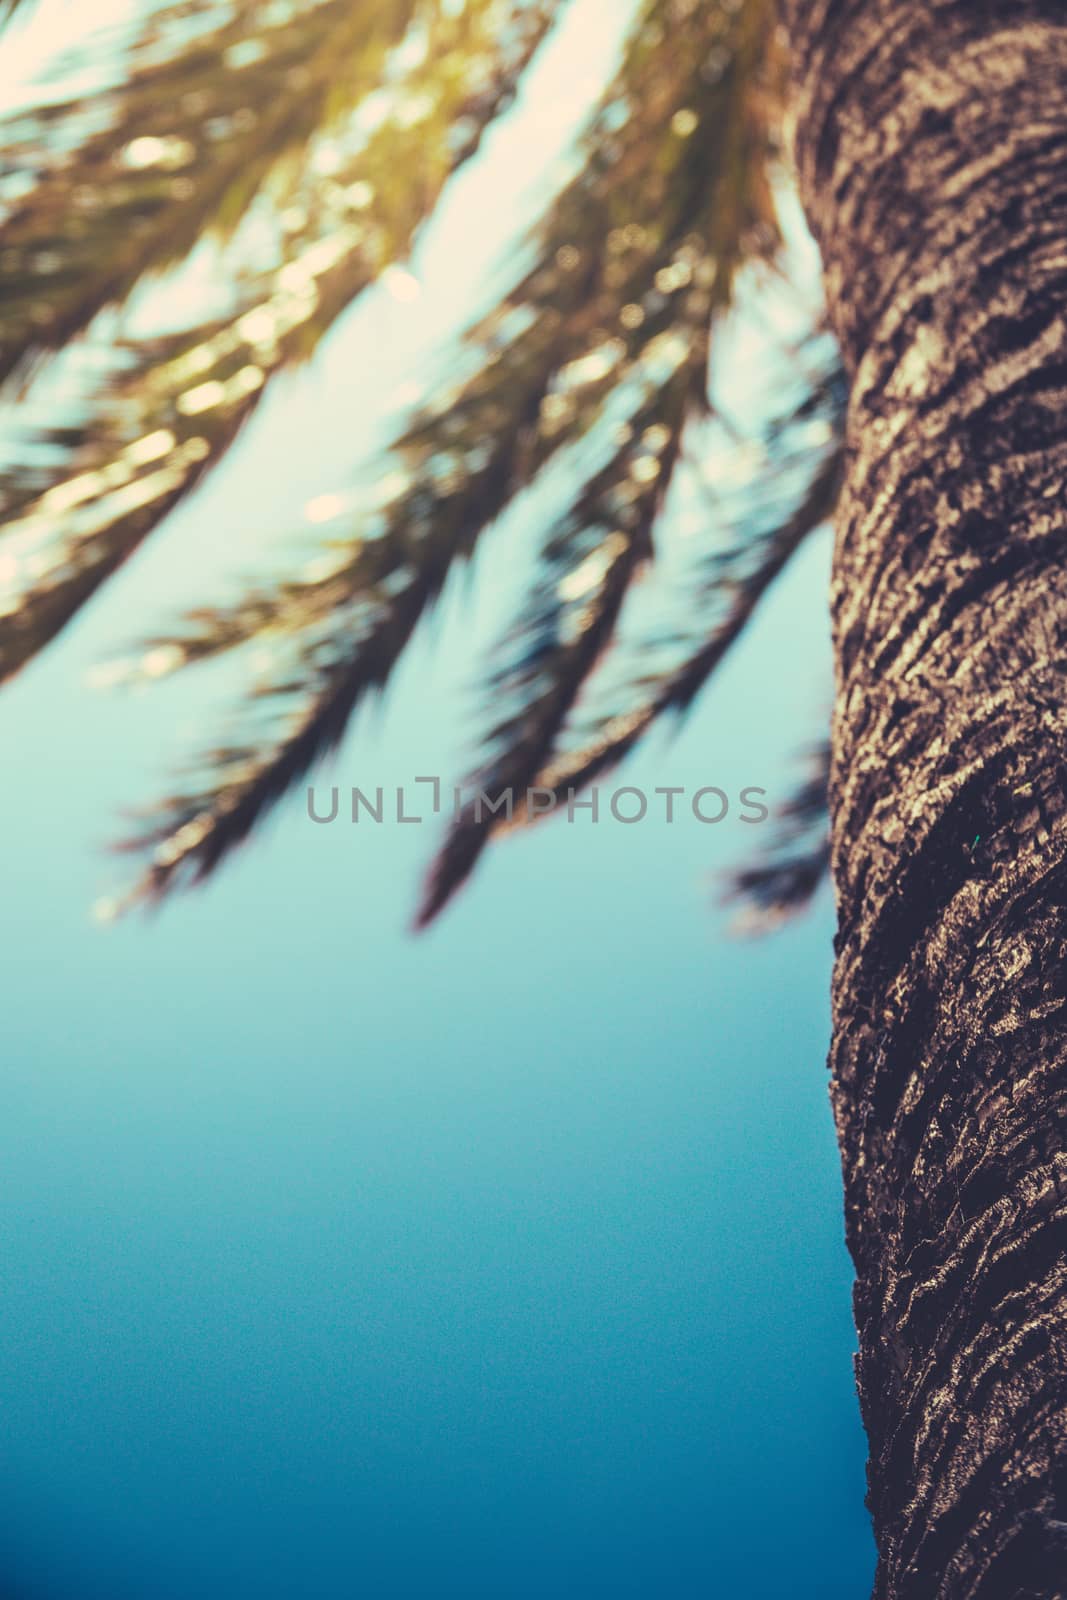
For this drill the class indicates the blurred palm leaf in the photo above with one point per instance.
(729, 582)
(302, 145)
(208, 108)
(155, 412)
(775, 888)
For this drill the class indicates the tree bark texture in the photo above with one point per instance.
(931, 143)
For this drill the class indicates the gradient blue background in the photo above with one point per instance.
(503, 1263)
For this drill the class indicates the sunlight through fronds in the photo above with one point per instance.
(152, 414)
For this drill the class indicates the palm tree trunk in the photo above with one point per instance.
(931, 140)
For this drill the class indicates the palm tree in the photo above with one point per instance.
(303, 145)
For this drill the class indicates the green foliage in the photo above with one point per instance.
(161, 410)
(783, 881)
(303, 144)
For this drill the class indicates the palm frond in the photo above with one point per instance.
(554, 663)
(639, 249)
(667, 671)
(781, 884)
(585, 572)
(167, 406)
(209, 106)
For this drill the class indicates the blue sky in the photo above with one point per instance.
(502, 1263)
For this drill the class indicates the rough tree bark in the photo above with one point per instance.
(931, 140)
